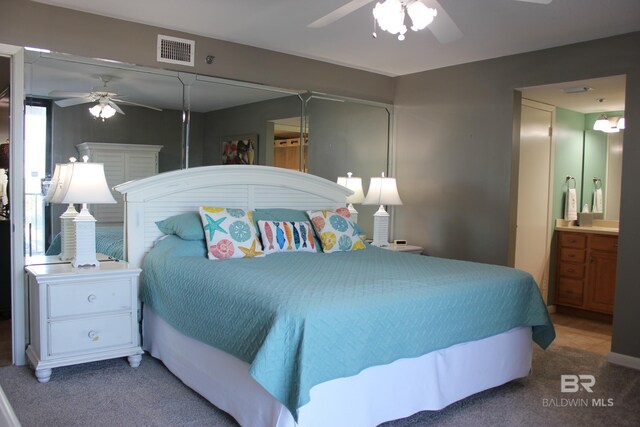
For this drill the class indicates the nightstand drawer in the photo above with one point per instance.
(90, 334)
(75, 299)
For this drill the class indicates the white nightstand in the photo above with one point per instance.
(80, 315)
(404, 248)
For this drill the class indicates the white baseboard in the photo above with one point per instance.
(624, 360)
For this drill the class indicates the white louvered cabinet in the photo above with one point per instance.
(122, 163)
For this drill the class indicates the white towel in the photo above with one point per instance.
(4, 198)
(571, 206)
(597, 201)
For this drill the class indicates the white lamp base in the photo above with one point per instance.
(85, 239)
(68, 233)
(381, 227)
(353, 212)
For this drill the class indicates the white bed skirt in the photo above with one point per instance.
(375, 395)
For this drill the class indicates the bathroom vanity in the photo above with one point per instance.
(586, 269)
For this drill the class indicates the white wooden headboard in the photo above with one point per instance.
(234, 186)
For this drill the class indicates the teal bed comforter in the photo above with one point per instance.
(300, 319)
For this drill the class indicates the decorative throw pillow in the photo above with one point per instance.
(230, 233)
(335, 231)
(286, 236)
(344, 212)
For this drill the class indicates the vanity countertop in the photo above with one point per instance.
(598, 227)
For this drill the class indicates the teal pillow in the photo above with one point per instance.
(279, 214)
(186, 225)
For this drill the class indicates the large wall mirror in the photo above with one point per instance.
(196, 120)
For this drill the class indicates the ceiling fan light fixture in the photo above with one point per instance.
(621, 123)
(420, 15)
(102, 111)
(390, 17)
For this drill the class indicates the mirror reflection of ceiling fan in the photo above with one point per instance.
(106, 101)
(389, 16)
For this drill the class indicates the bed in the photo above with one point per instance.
(373, 342)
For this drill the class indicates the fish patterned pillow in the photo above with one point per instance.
(230, 233)
(286, 236)
(335, 231)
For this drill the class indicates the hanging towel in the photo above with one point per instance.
(597, 201)
(571, 206)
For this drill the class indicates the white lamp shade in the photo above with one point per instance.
(86, 184)
(354, 184)
(382, 191)
(55, 193)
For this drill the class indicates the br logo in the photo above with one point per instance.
(572, 383)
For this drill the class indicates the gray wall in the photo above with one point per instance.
(348, 137)
(454, 143)
(73, 125)
(244, 120)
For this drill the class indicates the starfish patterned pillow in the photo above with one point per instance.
(230, 233)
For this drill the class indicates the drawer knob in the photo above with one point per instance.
(91, 298)
(572, 255)
(93, 336)
(571, 270)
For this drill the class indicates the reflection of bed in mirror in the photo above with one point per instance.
(109, 241)
(362, 380)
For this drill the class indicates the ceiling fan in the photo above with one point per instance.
(106, 101)
(442, 27)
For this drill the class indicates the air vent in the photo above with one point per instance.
(176, 51)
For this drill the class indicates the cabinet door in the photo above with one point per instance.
(115, 173)
(601, 281)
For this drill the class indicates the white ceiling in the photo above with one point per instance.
(491, 28)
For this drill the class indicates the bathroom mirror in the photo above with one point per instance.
(602, 168)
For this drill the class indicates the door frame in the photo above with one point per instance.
(16, 187)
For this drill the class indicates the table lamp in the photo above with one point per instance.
(87, 185)
(67, 227)
(354, 184)
(382, 191)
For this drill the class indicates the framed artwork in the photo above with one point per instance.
(240, 150)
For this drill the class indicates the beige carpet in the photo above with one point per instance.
(110, 393)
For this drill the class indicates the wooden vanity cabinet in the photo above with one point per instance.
(586, 271)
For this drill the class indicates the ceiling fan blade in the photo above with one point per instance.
(537, 1)
(442, 27)
(63, 94)
(74, 101)
(115, 107)
(339, 13)
(136, 104)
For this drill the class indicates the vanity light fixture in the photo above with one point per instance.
(605, 125)
(390, 14)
